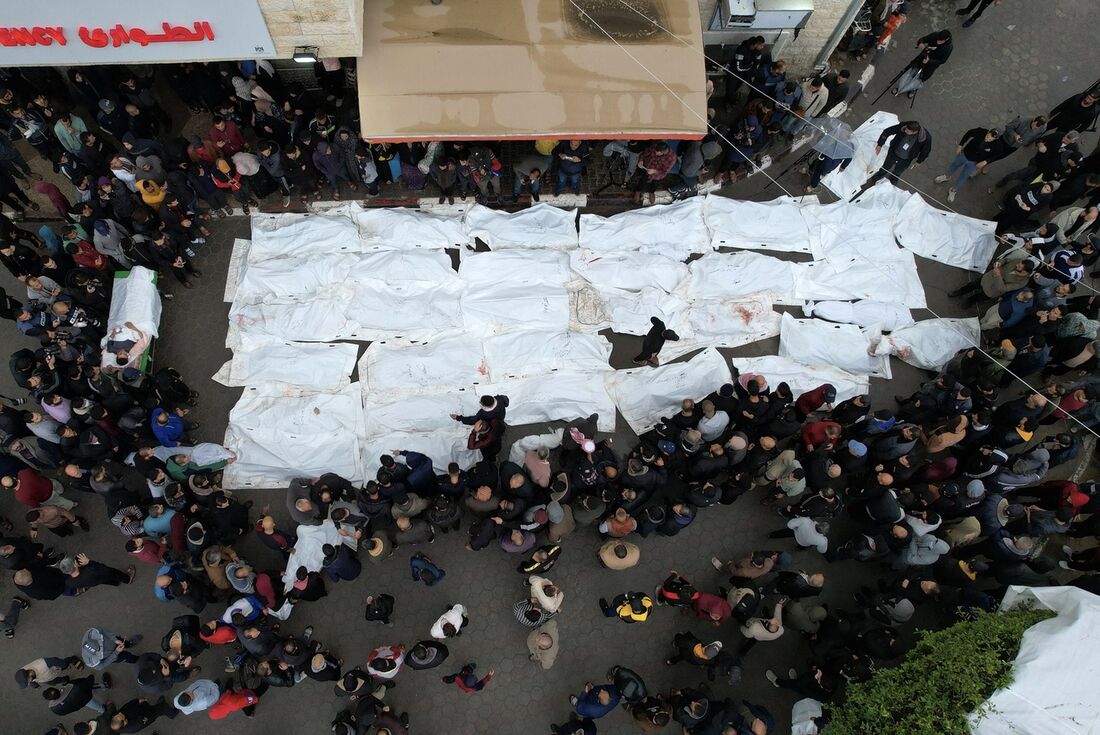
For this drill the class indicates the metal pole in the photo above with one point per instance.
(821, 62)
(891, 84)
(783, 173)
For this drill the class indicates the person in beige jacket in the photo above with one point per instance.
(617, 555)
(542, 644)
(548, 596)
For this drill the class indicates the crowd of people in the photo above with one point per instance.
(943, 499)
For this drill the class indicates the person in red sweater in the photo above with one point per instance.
(653, 167)
(244, 700)
(33, 489)
(467, 681)
(146, 550)
(819, 433)
(1055, 494)
(215, 631)
(711, 608)
(810, 401)
(226, 136)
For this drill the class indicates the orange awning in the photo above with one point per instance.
(496, 69)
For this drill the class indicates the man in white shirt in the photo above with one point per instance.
(807, 533)
(450, 623)
(714, 422)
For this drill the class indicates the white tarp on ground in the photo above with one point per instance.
(865, 162)
(400, 365)
(559, 396)
(442, 446)
(520, 268)
(892, 276)
(515, 289)
(301, 236)
(930, 343)
(321, 367)
(886, 315)
(410, 309)
(293, 279)
(400, 228)
(845, 346)
(521, 354)
(725, 324)
(309, 549)
(540, 226)
(946, 237)
(775, 225)
(320, 320)
(804, 377)
(278, 436)
(135, 299)
(741, 275)
(1053, 691)
(676, 230)
(645, 395)
(864, 227)
(630, 311)
(632, 271)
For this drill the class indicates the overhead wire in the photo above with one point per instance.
(966, 337)
(810, 122)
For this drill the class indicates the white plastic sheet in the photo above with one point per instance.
(741, 275)
(400, 365)
(277, 437)
(628, 270)
(676, 230)
(134, 298)
(887, 315)
(297, 279)
(775, 225)
(725, 324)
(864, 227)
(892, 276)
(630, 311)
(540, 226)
(844, 346)
(559, 396)
(509, 306)
(308, 550)
(409, 309)
(320, 367)
(804, 377)
(317, 320)
(946, 237)
(301, 236)
(1053, 689)
(521, 354)
(518, 451)
(442, 446)
(417, 413)
(519, 268)
(930, 343)
(865, 162)
(400, 228)
(645, 395)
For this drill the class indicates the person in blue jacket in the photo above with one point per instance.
(596, 701)
(170, 428)
(425, 570)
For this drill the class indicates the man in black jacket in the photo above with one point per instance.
(910, 145)
(976, 149)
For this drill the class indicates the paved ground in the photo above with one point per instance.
(1020, 57)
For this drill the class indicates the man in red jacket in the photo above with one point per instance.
(230, 701)
(33, 489)
(810, 401)
(817, 433)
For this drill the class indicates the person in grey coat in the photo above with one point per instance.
(922, 551)
(1029, 468)
(272, 161)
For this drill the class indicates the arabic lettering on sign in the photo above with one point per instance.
(117, 36)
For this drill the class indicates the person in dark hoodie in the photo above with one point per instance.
(272, 161)
(653, 342)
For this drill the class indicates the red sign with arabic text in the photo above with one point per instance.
(115, 37)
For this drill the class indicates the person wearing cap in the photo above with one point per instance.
(813, 400)
(653, 342)
(629, 607)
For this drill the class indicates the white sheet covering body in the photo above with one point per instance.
(887, 315)
(401, 228)
(930, 343)
(135, 299)
(803, 377)
(947, 237)
(740, 275)
(775, 225)
(865, 162)
(891, 276)
(845, 346)
(302, 236)
(1053, 689)
(676, 230)
(644, 395)
(538, 227)
(278, 436)
(320, 367)
(628, 270)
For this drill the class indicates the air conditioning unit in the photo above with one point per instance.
(737, 13)
(762, 14)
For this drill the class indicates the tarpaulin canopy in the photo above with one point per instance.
(1053, 689)
(487, 70)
